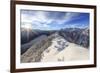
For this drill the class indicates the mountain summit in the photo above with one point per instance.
(59, 45)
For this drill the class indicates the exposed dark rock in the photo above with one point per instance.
(26, 46)
(76, 35)
(32, 49)
(34, 53)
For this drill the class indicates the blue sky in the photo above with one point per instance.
(54, 20)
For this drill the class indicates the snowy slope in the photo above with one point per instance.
(61, 50)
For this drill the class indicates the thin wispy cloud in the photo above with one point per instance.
(54, 20)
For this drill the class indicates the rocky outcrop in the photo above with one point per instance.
(30, 34)
(33, 54)
(26, 46)
(76, 35)
(32, 51)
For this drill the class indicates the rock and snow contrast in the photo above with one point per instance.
(51, 36)
(62, 50)
(52, 46)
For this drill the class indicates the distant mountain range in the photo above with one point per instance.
(76, 35)
(30, 34)
(35, 42)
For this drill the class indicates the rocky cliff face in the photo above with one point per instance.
(35, 41)
(76, 35)
(33, 54)
(30, 34)
(33, 49)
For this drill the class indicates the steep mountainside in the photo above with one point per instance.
(33, 54)
(62, 50)
(41, 45)
(76, 35)
(54, 48)
(26, 46)
(30, 34)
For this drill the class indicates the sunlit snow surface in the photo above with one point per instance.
(62, 50)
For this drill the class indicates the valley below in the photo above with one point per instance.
(70, 44)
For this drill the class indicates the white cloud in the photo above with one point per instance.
(38, 19)
(68, 16)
